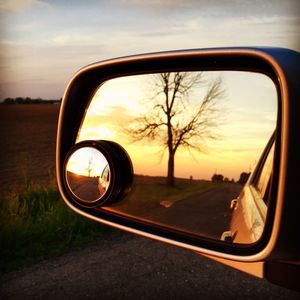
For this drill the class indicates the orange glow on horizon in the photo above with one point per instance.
(247, 121)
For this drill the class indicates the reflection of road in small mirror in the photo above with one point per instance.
(84, 187)
(87, 174)
(193, 138)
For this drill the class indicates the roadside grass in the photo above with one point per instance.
(36, 224)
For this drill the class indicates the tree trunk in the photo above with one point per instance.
(170, 178)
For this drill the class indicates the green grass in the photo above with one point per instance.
(37, 224)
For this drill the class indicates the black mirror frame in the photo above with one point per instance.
(281, 65)
(120, 183)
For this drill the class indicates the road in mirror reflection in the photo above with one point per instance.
(193, 137)
(87, 174)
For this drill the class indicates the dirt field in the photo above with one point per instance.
(28, 138)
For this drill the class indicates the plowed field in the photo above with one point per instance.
(27, 145)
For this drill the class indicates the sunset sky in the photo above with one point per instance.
(87, 162)
(43, 43)
(245, 118)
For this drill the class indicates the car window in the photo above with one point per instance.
(265, 175)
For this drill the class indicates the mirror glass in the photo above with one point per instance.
(87, 174)
(194, 139)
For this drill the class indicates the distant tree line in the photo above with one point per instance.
(220, 178)
(28, 100)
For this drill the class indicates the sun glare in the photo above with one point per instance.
(87, 161)
(93, 132)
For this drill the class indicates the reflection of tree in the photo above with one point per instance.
(90, 166)
(244, 177)
(173, 120)
(218, 178)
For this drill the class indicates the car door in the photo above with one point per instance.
(249, 210)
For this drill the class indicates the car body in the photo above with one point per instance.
(250, 207)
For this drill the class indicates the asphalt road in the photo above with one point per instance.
(207, 214)
(84, 187)
(131, 267)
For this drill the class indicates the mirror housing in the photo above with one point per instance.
(280, 240)
(101, 183)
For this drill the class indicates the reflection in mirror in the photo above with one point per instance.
(194, 139)
(87, 174)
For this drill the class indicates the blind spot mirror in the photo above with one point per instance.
(91, 176)
(88, 174)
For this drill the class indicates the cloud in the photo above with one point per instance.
(53, 43)
(12, 6)
(209, 8)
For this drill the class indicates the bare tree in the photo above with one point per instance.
(173, 120)
(90, 166)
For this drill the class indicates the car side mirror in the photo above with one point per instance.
(160, 144)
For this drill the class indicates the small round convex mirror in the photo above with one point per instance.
(88, 174)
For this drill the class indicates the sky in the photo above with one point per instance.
(245, 119)
(43, 43)
(87, 161)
